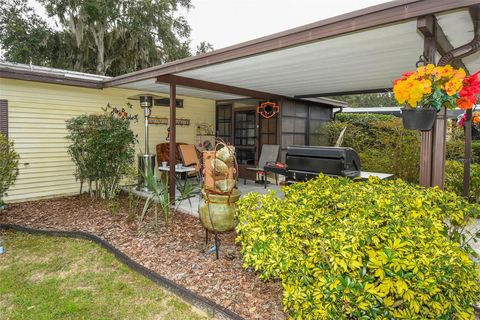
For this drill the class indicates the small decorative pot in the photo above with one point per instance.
(419, 118)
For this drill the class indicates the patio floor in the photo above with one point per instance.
(190, 206)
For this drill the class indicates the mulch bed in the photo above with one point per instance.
(178, 252)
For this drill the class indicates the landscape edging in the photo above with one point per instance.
(189, 296)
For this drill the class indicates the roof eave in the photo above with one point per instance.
(49, 78)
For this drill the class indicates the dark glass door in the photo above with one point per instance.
(245, 136)
(223, 122)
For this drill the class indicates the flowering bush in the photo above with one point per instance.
(469, 92)
(475, 119)
(362, 250)
(8, 166)
(437, 86)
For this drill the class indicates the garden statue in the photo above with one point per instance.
(219, 193)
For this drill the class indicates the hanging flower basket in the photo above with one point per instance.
(428, 89)
(418, 119)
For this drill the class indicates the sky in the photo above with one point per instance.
(228, 22)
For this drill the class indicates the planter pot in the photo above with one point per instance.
(419, 118)
(217, 211)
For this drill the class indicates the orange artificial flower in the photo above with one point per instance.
(464, 103)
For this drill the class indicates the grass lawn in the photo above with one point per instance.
(62, 278)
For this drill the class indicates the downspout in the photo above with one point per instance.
(336, 112)
(469, 48)
(462, 51)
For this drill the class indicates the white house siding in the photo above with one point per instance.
(37, 114)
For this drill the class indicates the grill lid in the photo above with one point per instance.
(308, 161)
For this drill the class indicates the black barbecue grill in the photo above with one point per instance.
(306, 162)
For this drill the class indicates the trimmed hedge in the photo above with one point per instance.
(364, 119)
(382, 143)
(385, 146)
(362, 250)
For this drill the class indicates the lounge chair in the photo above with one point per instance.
(190, 158)
(269, 154)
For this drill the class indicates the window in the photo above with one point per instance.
(165, 102)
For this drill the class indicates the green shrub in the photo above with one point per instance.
(362, 250)
(476, 151)
(363, 119)
(8, 166)
(385, 146)
(381, 142)
(102, 149)
(455, 143)
(455, 149)
(454, 179)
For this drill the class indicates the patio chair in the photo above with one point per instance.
(269, 154)
(163, 152)
(190, 158)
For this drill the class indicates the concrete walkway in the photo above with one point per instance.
(190, 205)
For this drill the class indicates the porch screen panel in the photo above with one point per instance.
(319, 117)
(303, 124)
(294, 125)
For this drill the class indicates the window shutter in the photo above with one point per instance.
(4, 117)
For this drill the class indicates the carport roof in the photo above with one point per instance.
(360, 51)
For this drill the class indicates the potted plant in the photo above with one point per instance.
(425, 91)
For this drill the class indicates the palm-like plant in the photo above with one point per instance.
(160, 197)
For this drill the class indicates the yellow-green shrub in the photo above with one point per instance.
(362, 250)
(454, 179)
(382, 143)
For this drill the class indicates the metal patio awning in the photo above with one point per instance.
(357, 52)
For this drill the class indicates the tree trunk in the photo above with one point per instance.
(98, 32)
(75, 24)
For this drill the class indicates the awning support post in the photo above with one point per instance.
(427, 27)
(172, 142)
(439, 147)
(468, 154)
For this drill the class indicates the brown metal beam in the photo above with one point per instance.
(172, 142)
(474, 14)
(342, 93)
(429, 27)
(382, 14)
(211, 86)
